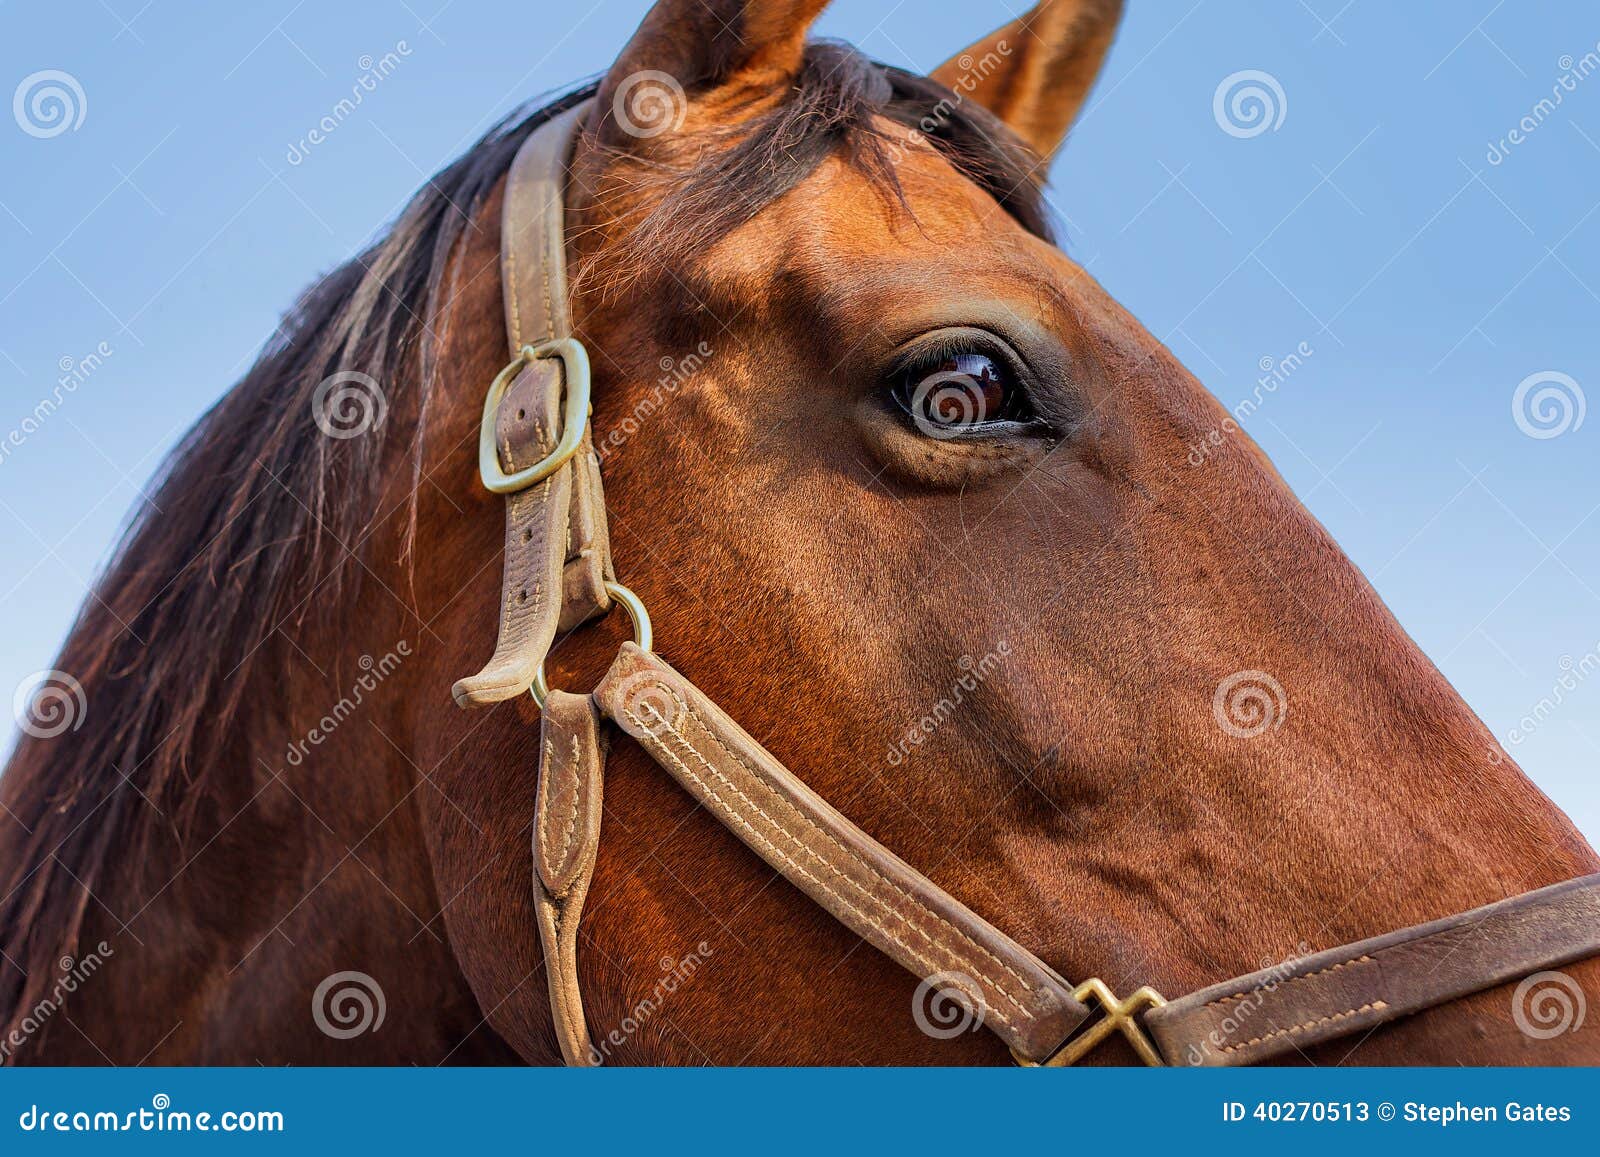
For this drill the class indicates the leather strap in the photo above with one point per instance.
(566, 841)
(557, 561)
(557, 552)
(588, 555)
(868, 888)
(1358, 986)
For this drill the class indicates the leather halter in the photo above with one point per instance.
(536, 449)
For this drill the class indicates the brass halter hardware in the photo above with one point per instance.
(575, 416)
(1400, 972)
(643, 635)
(1118, 1014)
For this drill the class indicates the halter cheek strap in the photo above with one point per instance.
(566, 840)
(557, 552)
(536, 449)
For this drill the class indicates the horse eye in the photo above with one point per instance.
(961, 392)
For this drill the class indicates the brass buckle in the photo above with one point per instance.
(575, 416)
(1118, 1014)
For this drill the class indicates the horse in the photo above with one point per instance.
(1142, 714)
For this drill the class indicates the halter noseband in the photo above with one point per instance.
(536, 449)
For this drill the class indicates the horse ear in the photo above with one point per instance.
(734, 51)
(1035, 72)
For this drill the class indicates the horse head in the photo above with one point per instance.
(913, 499)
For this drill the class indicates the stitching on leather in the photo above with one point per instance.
(777, 851)
(512, 643)
(506, 664)
(511, 288)
(894, 884)
(866, 892)
(546, 254)
(773, 792)
(1374, 1006)
(1362, 959)
(544, 810)
(572, 811)
(577, 786)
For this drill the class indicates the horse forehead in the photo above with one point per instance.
(838, 220)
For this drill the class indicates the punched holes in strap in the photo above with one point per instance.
(525, 430)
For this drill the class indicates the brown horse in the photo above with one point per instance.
(1016, 656)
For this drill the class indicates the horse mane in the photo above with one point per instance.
(258, 522)
(720, 179)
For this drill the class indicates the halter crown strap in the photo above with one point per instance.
(536, 448)
(557, 552)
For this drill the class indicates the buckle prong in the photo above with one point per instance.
(575, 416)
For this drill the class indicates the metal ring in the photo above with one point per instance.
(642, 635)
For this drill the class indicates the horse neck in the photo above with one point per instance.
(266, 855)
(146, 885)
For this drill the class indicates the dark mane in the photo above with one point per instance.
(259, 522)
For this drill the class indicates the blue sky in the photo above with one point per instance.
(1387, 221)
